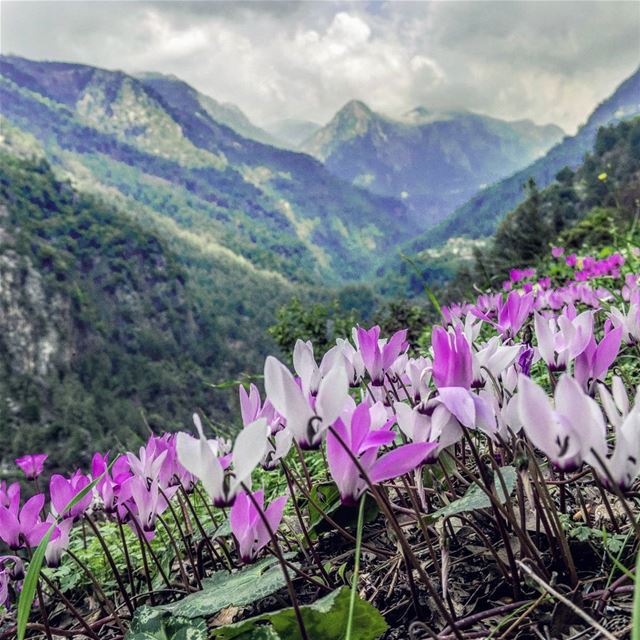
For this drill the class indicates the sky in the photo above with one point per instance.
(551, 62)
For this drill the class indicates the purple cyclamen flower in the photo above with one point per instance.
(9, 495)
(32, 464)
(252, 408)
(247, 525)
(107, 488)
(556, 252)
(23, 527)
(378, 355)
(452, 362)
(364, 444)
(64, 490)
(594, 362)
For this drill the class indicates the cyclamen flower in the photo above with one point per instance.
(493, 358)
(629, 322)
(252, 408)
(452, 362)
(107, 488)
(305, 365)
(624, 463)
(346, 355)
(453, 375)
(23, 527)
(567, 433)
(32, 464)
(378, 355)
(199, 457)
(9, 495)
(567, 337)
(248, 526)
(364, 444)
(59, 542)
(306, 423)
(429, 422)
(64, 490)
(594, 362)
(143, 502)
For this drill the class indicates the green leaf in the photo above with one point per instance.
(475, 498)
(152, 624)
(324, 619)
(224, 589)
(327, 496)
(30, 583)
(635, 614)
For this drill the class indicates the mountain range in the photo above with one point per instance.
(433, 161)
(481, 214)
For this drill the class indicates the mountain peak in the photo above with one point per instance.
(355, 109)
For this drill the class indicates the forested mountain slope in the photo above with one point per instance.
(432, 161)
(154, 145)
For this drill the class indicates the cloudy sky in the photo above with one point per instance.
(548, 61)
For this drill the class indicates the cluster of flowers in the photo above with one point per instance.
(380, 414)
(585, 269)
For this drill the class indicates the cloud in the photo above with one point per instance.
(551, 62)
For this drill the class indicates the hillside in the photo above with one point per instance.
(481, 214)
(154, 147)
(292, 132)
(226, 113)
(432, 161)
(99, 324)
(583, 210)
(580, 210)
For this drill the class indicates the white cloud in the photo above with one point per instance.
(551, 62)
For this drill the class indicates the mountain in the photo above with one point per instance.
(152, 146)
(433, 161)
(292, 132)
(226, 113)
(481, 214)
(588, 210)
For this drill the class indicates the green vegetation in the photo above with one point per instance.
(101, 336)
(595, 206)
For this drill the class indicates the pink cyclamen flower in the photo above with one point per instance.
(378, 355)
(23, 527)
(569, 432)
(107, 488)
(248, 526)
(556, 252)
(252, 408)
(594, 362)
(32, 464)
(64, 490)
(364, 444)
